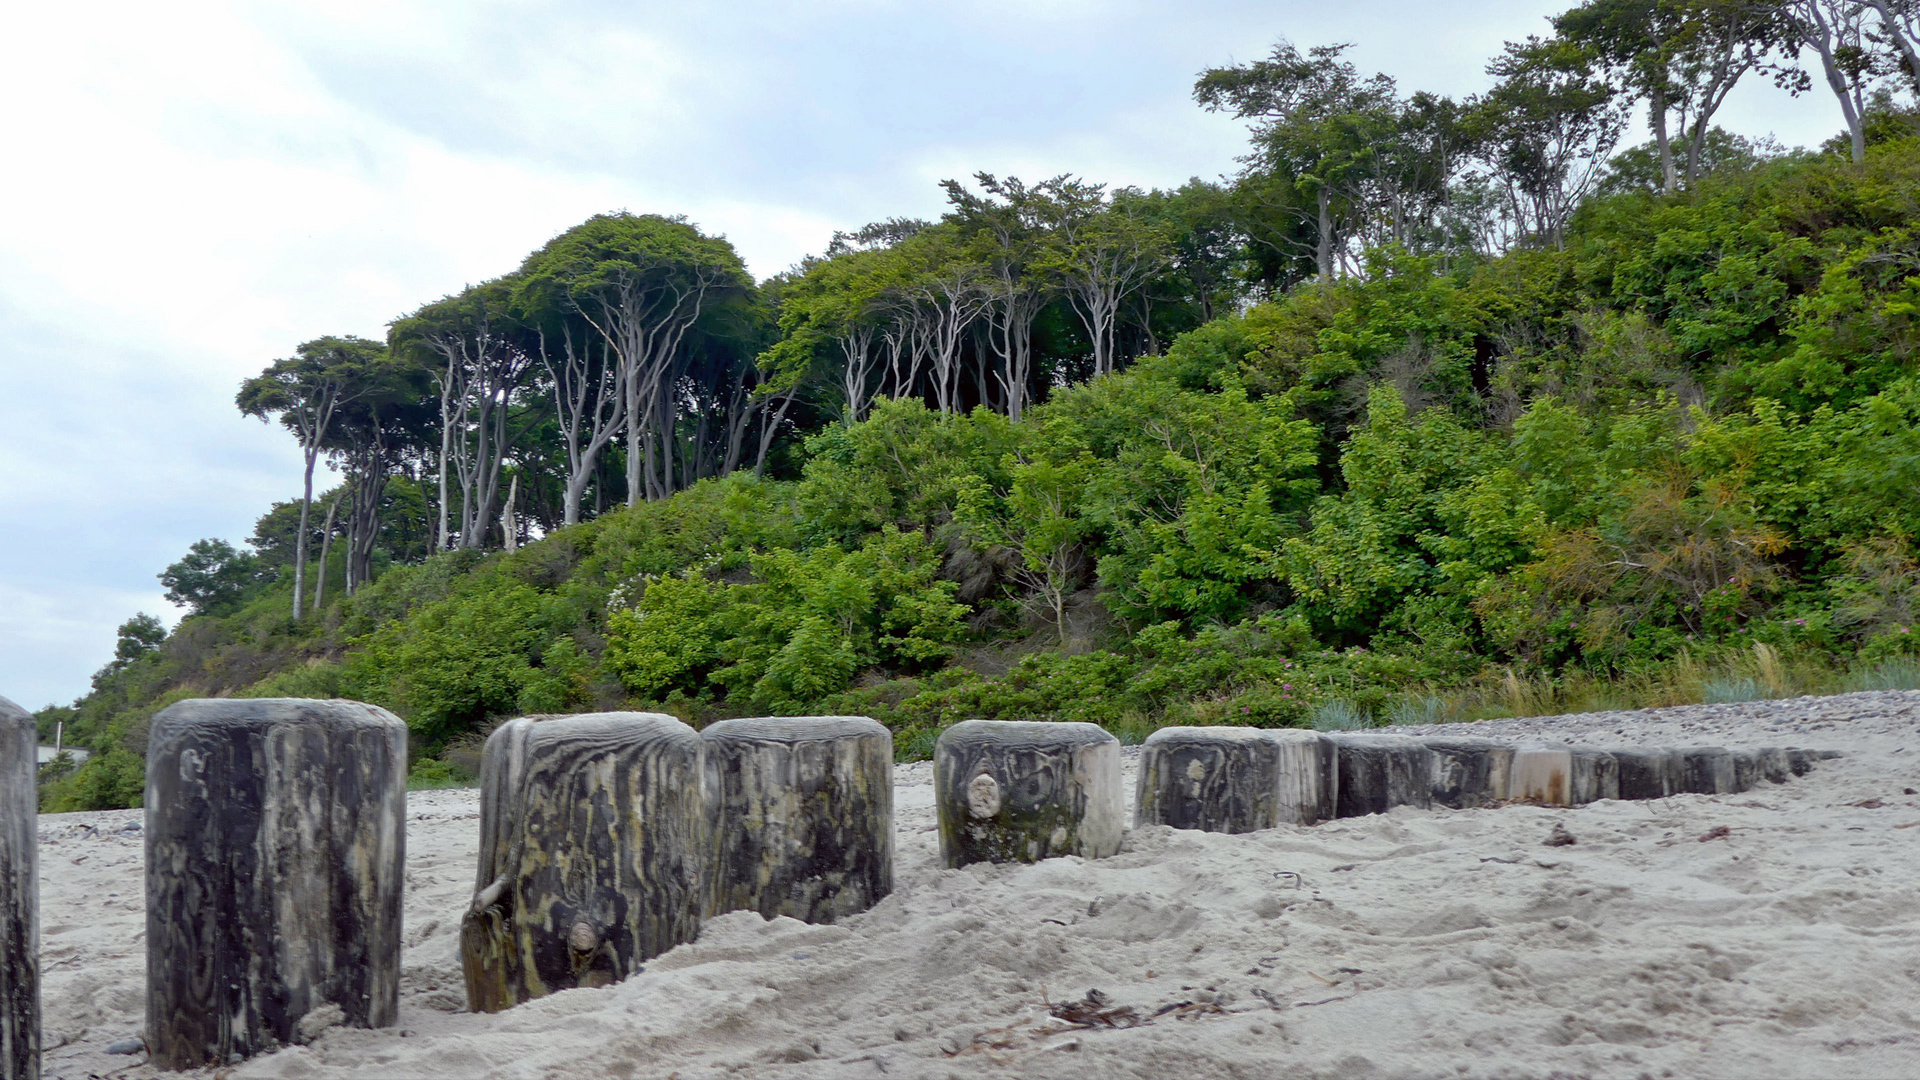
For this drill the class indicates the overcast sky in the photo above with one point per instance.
(192, 189)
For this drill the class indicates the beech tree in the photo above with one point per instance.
(1837, 32)
(1682, 57)
(478, 363)
(1545, 130)
(640, 282)
(307, 392)
(1008, 227)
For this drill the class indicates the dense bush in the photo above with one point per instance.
(1674, 460)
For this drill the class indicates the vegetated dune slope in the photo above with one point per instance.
(1771, 933)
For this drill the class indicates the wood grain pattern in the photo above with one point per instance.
(1650, 772)
(19, 896)
(1707, 770)
(804, 813)
(1595, 776)
(594, 838)
(275, 833)
(1022, 791)
(1232, 779)
(1380, 772)
(1469, 772)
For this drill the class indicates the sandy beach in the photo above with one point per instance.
(1772, 933)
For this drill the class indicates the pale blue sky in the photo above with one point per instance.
(194, 188)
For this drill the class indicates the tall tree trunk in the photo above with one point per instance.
(509, 525)
(1657, 113)
(1323, 254)
(300, 538)
(326, 543)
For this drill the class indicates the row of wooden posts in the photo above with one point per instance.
(276, 831)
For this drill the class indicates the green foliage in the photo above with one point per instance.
(212, 578)
(798, 629)
(1674, 461)
(457, 661)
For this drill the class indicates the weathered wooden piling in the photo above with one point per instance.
(1543, 775)
(1309, 776)
(275, 834)
(1595, 775)
(1748, 769)
(19, 896)
(1707, 770)
(1469, 772)
(1380, 772)
(1022, 791)
(1231, 779)
(1650, 772)
(594, 842)
(804, 813)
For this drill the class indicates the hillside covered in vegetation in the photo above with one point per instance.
(1437, 410)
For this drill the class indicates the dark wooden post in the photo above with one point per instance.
(276, 834)
(1595, 776)
(1232, 779)
(1650, 773)
(804, 813)
(1469, 772)
(593, 841)
(19, 896)
(1022, 791)
(1707, 770)
(1380, 772)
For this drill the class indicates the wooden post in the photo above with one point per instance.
(1380, 772)
(1706, 770)
(1469, 772)
(1231, 779)
(1022, 791)
(1595, 775)
(19, 895)
(1653, 773)
(803, 807)
(1543, 775)
(275, 851)
(594, 838)
(1748, 769)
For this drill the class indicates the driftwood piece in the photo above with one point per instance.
(1022, 791)
(1231, 779)
(19, 896)
(804, 806)
(594, 839)
(1469, 772)
(1650, 773)
(275, 849)
(1380, 772)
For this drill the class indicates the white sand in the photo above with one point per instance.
(1416, 943)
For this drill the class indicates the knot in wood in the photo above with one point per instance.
(583, 938)
(983, 796)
